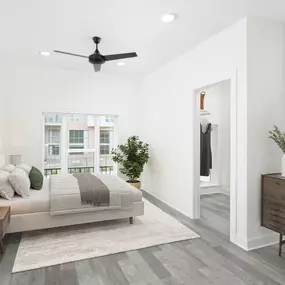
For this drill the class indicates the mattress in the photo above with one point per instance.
(65, 195)
(38, 201)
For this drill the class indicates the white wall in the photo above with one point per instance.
(256, 49)
(266, 102)
(167, 118)
(217, 102)
(27, 91)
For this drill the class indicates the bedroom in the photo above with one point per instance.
(151, 96)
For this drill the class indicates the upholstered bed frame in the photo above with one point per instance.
(34, 213)
(43, 220)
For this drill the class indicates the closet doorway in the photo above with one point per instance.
(215, 156)
(215, 149)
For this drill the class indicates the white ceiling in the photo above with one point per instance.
(30, 26)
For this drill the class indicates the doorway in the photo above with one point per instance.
(219, 183)
(215, 156)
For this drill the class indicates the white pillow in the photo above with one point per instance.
(21, 182)
(25, 167)
(6, 189)
(8, 167)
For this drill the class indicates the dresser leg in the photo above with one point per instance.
(280, 244)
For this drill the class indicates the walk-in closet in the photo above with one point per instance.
(215, 155)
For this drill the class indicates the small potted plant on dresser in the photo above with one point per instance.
(132, 156)
(279, 138)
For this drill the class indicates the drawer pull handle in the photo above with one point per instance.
(279, 184)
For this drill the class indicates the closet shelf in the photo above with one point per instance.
(204, 113)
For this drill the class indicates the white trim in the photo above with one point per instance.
(77, 113)
(211, 190)
(63, 142)
(164, 202)
(262, 241)
(71, 150)
(216, 78)
(115, 137)
(97, 144)
(43, 143)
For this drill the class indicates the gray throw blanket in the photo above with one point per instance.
(92, 190)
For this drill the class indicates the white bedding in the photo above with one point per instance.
(65, 194)
(37, 202)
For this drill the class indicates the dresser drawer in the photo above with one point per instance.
(274, 224)
(274, 190)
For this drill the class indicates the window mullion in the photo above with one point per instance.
(97, 144)
(63, 145)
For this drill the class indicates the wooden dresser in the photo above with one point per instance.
(273, 205)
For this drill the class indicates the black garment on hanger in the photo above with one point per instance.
(205, 151)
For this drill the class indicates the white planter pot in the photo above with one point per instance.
(283, 165)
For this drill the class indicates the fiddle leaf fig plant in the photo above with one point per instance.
(131, 156)
(278, 137)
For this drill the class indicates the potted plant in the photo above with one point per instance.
(132, 156)
(279, 138)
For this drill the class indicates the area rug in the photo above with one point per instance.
(62, 245)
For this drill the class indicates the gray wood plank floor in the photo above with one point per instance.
(212, 259)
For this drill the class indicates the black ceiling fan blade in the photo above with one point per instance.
(120, 56)
(68, 53)
(97, 67)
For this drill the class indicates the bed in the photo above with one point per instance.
(58, 204)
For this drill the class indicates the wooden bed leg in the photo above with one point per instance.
(131, 220)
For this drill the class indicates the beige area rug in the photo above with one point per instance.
(62, 245)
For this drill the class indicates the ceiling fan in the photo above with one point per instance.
(97, 59)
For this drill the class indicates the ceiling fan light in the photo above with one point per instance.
(45, 53)
(167, 18)
(120, 63)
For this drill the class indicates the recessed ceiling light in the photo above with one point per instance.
(167, 18)
(120, 63)
(45, 53)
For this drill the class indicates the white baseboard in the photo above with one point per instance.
(241, 242)
(210, 190)
(244, 243)
(166, 203)
(256, 242)
(262, 241)
(214, 189)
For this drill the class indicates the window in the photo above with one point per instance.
(109, 119)
(74, 118)
(104, 142)
(104, 149)
(53, 150)
(104, 136)
(53, 119)
(53, 135)
(81, 143)
(76, 136)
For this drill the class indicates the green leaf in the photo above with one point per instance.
(132, 156)
(278, 137)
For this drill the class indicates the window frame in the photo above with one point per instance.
(64, 140)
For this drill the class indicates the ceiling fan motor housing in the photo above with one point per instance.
(96, 58)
